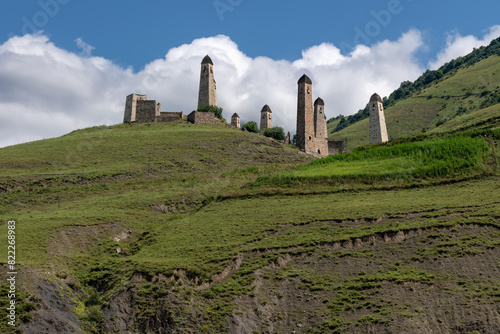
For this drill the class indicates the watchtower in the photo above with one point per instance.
(305, 126)
(320, 130)
(319, 119)
(235, 120)
(266, 119)
(378, 128)
(208, 92)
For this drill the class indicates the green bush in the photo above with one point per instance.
(276, 133)
(217, 111)
(251, 127)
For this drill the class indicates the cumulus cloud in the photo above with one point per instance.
(47, 91)
(457, 46)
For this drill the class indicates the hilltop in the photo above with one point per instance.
(180, 228)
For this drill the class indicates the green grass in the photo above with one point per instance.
(459, 95)
(431, 158)
(68, 212)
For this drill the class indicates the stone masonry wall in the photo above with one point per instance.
(146, 111)
(169, 116)
(198, 117)
(336, 146)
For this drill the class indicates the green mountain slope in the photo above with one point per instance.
(176, 228)
(459, 93)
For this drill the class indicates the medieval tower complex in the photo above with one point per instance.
(378, 128)
(208, 91)
(266, 119)
(311, 123)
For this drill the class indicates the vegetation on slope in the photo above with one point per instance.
(164, 227)
(464, 93)
(430, 78)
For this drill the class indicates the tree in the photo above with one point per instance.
(217, 111)
(251, 127)
(276, 132)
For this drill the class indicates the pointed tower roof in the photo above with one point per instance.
(375, 98)
(207, 60)
(319, 101)
(305, 79)
(266, 109)
(235, 115)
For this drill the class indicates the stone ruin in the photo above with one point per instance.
(141, 110)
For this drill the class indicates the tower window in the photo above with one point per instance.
(310, 138)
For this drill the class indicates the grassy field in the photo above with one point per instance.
(461, 95)
(192, 228)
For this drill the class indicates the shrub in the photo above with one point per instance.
(276, 133)
(217, 111)
(251, 127)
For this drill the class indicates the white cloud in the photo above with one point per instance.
(47, 91)
(457, 46)
(86, 48)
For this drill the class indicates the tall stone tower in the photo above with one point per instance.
(378, 128)
(305, 126)
(235, 120)
(320, 129)
(208, 94)
(266, 119)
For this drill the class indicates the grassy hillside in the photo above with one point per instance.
(176, 228)
(459, 94)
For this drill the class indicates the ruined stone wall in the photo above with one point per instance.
(169, 116)
(207, 95)
(378, 128)
(198, 117)
(146, 111)
(336, 146)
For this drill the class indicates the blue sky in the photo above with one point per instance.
(111, 48)
(133, 33)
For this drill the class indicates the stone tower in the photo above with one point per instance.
(305, 122)
(266, 119)
(378, 128)
(320, 129)
(319, 119)
(208, 94)
(235, 120)
(131, 106)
